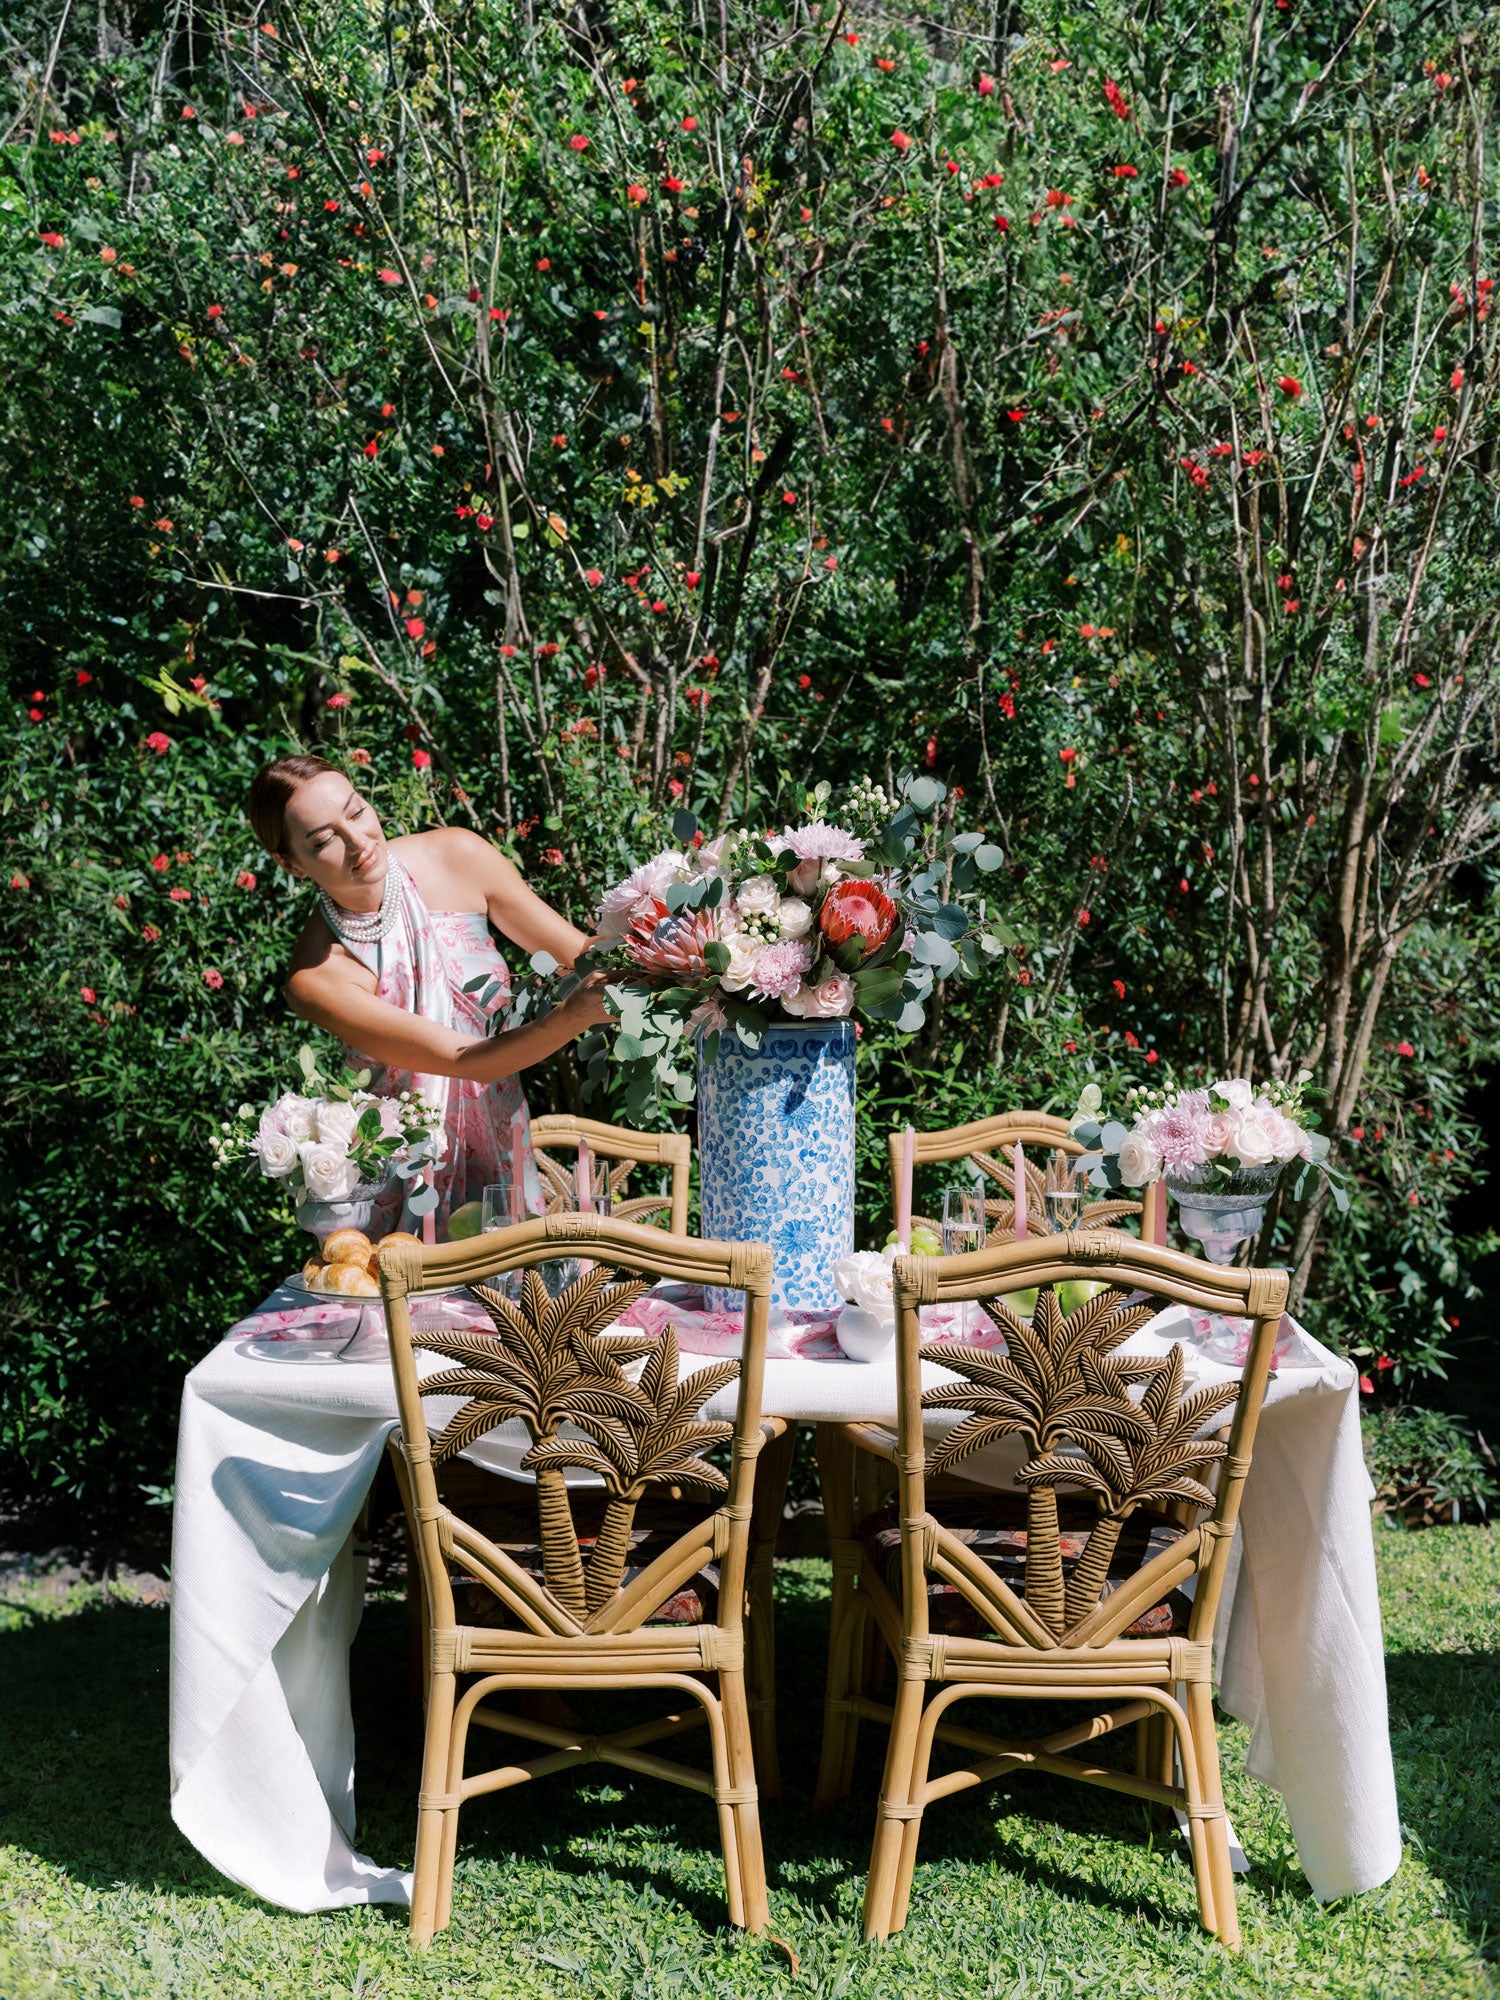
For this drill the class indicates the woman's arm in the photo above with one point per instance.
(330, 990)
(472, 871)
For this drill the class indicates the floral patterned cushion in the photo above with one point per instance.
(994, 1527)
(695, 1603)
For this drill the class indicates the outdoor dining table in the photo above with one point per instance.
(281, 1438)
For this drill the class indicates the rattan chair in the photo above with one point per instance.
(627, 1149)
(980, 1143)
(554, 1616)
(1096, 1579)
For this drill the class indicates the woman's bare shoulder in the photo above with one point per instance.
(318, 951)
(453, 868)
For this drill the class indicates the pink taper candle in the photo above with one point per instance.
(429, 1220)
(903, 1188)
(1020, 1194)
(517, 1165)
(1159, 1235)
(585, 1179)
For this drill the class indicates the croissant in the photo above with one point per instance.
(312, 1274)
(347, 1246)
(398, 1236)
(352, 1281)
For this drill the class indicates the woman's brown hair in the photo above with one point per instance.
(271, 794)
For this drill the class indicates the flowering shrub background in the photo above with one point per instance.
(561, 423)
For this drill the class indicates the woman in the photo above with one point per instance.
(400, 932)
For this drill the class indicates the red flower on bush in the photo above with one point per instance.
(338, 700)
(1115, 98)
(159, 742)
(389, 277)
(1179, 177)
(858, 910)
(1125, 172)
(215, 312)
(1405, 1049)
(636, 193)
(52, 240)
(160, 863)
(151, 934)
(1289, 386)
(414, 628)
(901, 141)
(213, 978)
(86, 993)
(593, 578)
(553, 856)
(421, 759)
(578, 143)
(244, 880)
(181, 895)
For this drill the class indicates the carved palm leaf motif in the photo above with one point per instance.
(657, 1442)
(547, 1360)
(1056, 1384)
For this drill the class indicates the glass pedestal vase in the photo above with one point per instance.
(355, 1211)
(776, 1156)
(1221, 1211)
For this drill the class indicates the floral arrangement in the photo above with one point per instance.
(811, 922)
(1203, 1135)
(329, 1138)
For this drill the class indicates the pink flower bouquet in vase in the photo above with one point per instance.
(755, 952)
(1220, 1151)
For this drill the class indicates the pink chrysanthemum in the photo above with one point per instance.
(777, 969)
(819, 841)
(1178, 1134)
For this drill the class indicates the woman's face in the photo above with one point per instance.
(334, 838)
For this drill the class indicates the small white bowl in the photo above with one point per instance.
(863, 1335)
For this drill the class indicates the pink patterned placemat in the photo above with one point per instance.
(806, 1336)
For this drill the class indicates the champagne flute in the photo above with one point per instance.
(1063, 1194)
(965, 1226)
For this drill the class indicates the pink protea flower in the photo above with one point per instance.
(777, 969)
(672, 945)
(858, 910)
(815, 846)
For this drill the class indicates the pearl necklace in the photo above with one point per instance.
(366, 926)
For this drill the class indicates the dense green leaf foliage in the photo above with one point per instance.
(567, 417)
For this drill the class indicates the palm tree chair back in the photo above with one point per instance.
(559, 1132)
(559, 1615)
(1095, 1579)
(988, 1146)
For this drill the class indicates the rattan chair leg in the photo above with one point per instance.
(772, 1470)
(888, 1849)
(745, 1811)
(1200, 1710)
(426, 1895)
(840, 1718)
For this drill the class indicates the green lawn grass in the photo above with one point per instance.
(584, 1887)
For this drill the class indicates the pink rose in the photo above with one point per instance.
(829, 1001)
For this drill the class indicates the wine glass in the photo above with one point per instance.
(501, 1205)
(1063, 1194)
(965, 1226)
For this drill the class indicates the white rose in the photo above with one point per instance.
(864, 1278)
(1285, 1134)
(1235, 1091)
(278, 1154)
(795, 917)
(759, 897)
(828, 1002)
(298, 1115)
(1253, 1145)
(1139, 1160)
(336, 1122)
(328, 1171)
(742, 949)
(1218, 1134)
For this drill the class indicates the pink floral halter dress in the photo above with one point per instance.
(422, 965)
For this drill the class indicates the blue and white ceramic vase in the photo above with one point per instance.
(776, 1155)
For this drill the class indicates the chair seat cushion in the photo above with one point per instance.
(695, 1602)
(993, 1526)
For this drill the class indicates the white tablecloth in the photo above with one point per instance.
(281, 1439)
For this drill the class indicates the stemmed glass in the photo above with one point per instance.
(965, 1226)
(1063, 1194)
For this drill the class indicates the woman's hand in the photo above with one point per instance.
(585, 1006)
